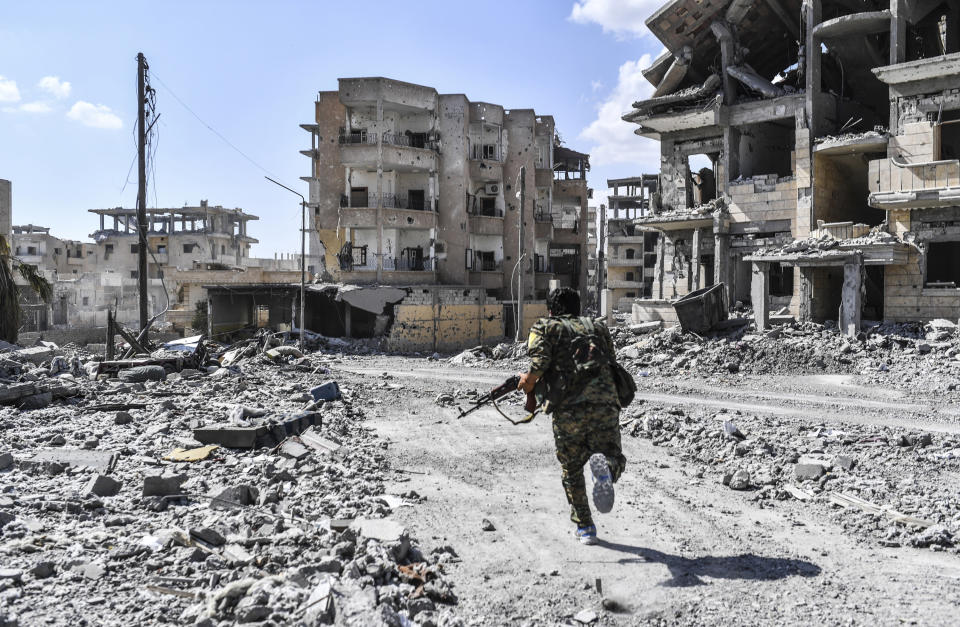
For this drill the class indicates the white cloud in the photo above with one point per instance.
(35, 107)
(611, 139)
(624, 18)
(8, 90)
(97, 116)
(54, 86)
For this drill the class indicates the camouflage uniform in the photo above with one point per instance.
(588, 422)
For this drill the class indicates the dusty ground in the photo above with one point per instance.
(679, 548)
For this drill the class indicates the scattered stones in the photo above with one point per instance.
(102, 485)
(163, 485)
(808, 472)
(740, 480)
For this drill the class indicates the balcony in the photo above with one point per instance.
(625, 239)
(486, 152)
(624, 262)
(389, 201)
(400, 151)
(486, 223)
(898, 185)
(621, 283)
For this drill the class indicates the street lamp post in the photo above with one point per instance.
(303, 252)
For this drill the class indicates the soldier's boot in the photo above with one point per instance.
(587, 534)
(602, 483)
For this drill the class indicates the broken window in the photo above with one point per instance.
(416, 199)
(133, 274)
(355, 136)
(702, 182)
(949, 131)
(359, 197)
(31, 250)
(134, 249)
(161, 249)
(943, 264)
(188, 248)
(56, 251)
(417, 140)
(488, 206)
(763, 148)
(781, 280)
(86, 301)
(629, 253)
(485, 261)
(468, 259)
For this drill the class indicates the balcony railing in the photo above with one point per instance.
(490, 212)
(898, 185)
(488, 152)
(485, 264)
(405, 264)
(542, 264)
(415, 140)
(393, 201)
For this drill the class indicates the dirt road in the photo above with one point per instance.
(679, 548)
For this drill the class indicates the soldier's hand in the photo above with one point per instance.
(527, 381)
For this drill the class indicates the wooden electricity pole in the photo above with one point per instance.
(523, 207)
(142, 187)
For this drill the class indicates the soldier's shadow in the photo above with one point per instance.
(685, 571)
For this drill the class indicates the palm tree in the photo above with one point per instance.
(10, 291)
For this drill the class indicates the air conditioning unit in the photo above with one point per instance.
(491, 189)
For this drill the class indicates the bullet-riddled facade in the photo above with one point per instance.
(411, 187)
(807, 150)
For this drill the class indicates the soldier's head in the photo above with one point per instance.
(563, 301)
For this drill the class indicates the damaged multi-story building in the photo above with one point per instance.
(830, 130)
(630, 253)
(443, 197)
(189, 249)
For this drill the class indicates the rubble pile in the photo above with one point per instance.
(884, 485)
(240, 491)
(930, 349)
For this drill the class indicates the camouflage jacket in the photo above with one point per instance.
(549, 349)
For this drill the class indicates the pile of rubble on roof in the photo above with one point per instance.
(887, 486)
(234, 489)
(821, 241)
(900, 349)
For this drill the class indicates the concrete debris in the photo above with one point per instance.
(102, 485)
(163, 484)
(141, 374)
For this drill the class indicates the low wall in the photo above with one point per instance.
(651, 310)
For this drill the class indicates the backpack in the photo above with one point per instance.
(590, 355)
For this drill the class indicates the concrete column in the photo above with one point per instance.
(852, 297)
(209, 315)
(6, 211)
(661, 252)
(379, 190)
(606, 305)
(346, 185)
(806, 293)
(730, 159)
(898, 31)
(812, 16)
(347, 319)
(721, 262)
(759, 292)
(694, 262)
(727, 52)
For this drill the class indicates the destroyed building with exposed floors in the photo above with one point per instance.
(467, 206)
(832, 137)
(188, 248)
(630, 253)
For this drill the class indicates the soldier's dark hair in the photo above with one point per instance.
(563, 301)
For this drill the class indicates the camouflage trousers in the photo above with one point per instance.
(579, 432)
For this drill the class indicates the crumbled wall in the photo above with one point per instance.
(445, 320)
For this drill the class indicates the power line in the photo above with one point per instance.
(210, 128)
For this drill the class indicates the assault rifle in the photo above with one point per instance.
(502, 390)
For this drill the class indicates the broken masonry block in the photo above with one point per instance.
(36, 401)
(230, 437)
(274, 431)
(99, 460)
(234, 496)
(294, 448)
(141, 374)
(122, 418)
(102, 485)
(6, 460)
(328, 391)
(314, 440)
(208, 535)
(808, 472)
(162, 485)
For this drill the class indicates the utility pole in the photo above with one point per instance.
(600, 256)
(142, 187)
(523, 206)
(303, 253)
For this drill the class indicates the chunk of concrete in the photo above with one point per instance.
(234, 497)
(102, 485)
(294, 448)
(162, 485)
(99, 460)
(36, 401)
(35, 354)
(328, 391)
(740, 480)
(208, 535)
(808, 472)
(122, 418)
(382, 529)
(6, 460)
(845, 461)
(142, 374)
(314, 440)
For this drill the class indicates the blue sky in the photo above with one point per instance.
(251, 71)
